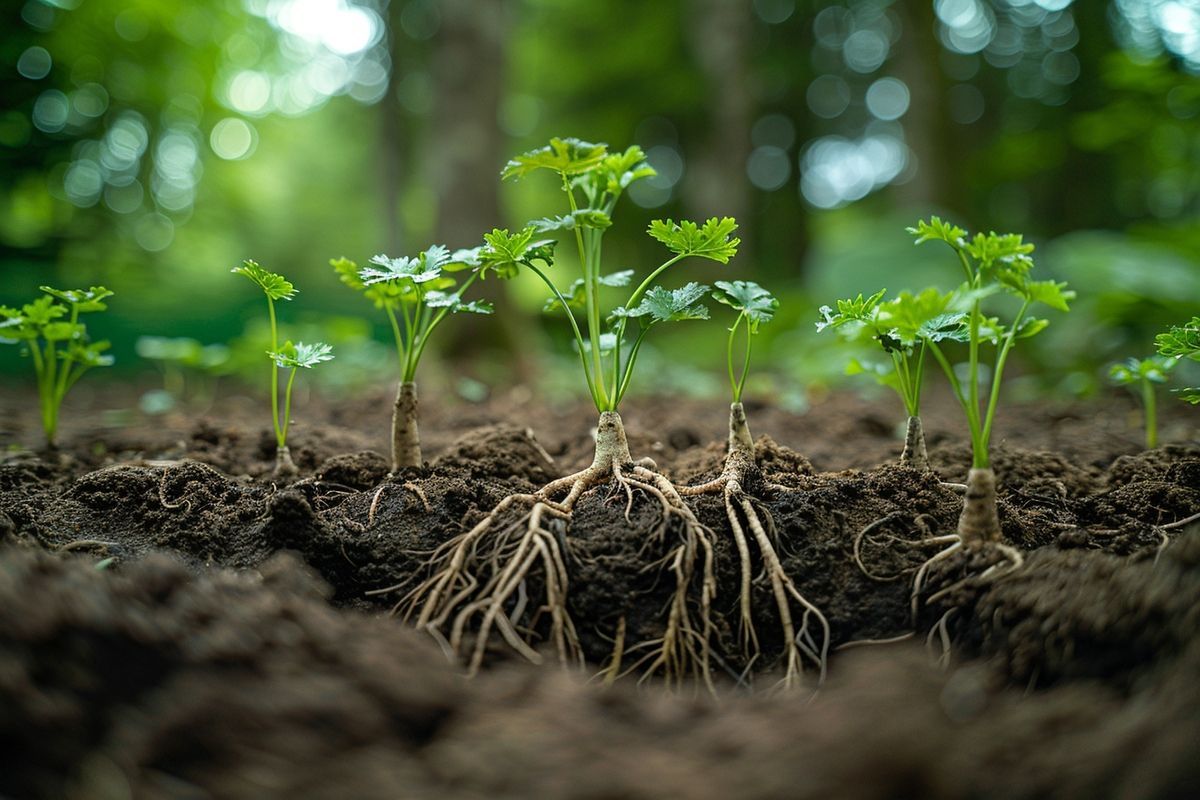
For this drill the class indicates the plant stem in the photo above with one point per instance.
(406, 438)
(1151, 412)
(733, 386)
(591, 290)
(997, 374)
(629, 362)
(280, 436)
(579, 340)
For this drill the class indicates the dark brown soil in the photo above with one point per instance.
(178, 624)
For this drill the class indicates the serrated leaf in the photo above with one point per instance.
(42, 311)
(567, 156)
(295, 356)
(1189, 394)
(758, 304)
(953, 326)
(1031, 326)
(422, 268)
(669, 305)
(857, 309)
(464, 258)
(83, 300)
(938, 230)
(89, 355)
(713, 240)
(452, 301)
(582, 218)
(1180, 341)
(61, 331)
(275, 286)
(504, 253)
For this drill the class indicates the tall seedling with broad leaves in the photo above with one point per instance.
(287, 356)
(50, 331)
(417, 293)
(805, 634)
(992, 264)
(900, 329)
(477, 575)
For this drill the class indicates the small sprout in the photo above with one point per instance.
(49, 330)
(755, 305)
(417, 293)
(289, 356)
(1182, 342)
(1140, 375)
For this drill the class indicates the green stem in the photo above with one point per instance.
(733, 386)
(918, 380)
(424, 338)
(1149, 403)
(948, 368)
(997, 374)
(279, 437)
(579, 340)
(591, 290)
(737, 396)
(287, 407)
(637, 345)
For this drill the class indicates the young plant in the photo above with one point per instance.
(1140, 375)
(416, 294)
(755, 306)
(902, 327)
(58, 344)
(1182, 342)
(288, 356)
(478, 573)
(992, 264)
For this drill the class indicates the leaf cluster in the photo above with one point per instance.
(301, 355)
(274, 285)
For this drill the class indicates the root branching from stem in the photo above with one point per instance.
(805, 630)
(480, 580)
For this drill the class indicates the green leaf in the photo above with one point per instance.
(565, 156)
(1180, 341)
(422, 268)
(452, 301)
(953, 326)
(904, 316)
(504, 253)
(61, 331)
(582, 218)
(937, 230)
(294, 356)
(1031, 326)
(88, 355)
(1007, 250)
(1135, 370)
(275, 286)
(852, 310)
(608, 343)
(464, 258)
(1189, 394)
(619, 170)
(669, 305)
(713, 240)
(83, 300)
(758, 304)
(42, 311)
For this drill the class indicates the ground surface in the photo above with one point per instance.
(176, 624)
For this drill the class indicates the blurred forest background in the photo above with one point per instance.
(150, 146)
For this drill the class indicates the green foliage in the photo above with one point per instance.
(301, 355)
(593, 180)
(418, 292)
(49, 330)
(993, 264)
(1140, 375)
(755, 305)
(1182, 342)
(274, 286)
(714, 239)
(565, 156)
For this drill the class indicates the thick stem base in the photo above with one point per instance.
(914, 453)
(980, 520)
(406, 438)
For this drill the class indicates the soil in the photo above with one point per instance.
(178, 624)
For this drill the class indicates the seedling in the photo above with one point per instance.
(478, 573)
(1182, 342)
(1140, 375)
(415, 294)
(902, 327)
(992, 264)
(289, 356)
(755, 306)
(51, 333)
